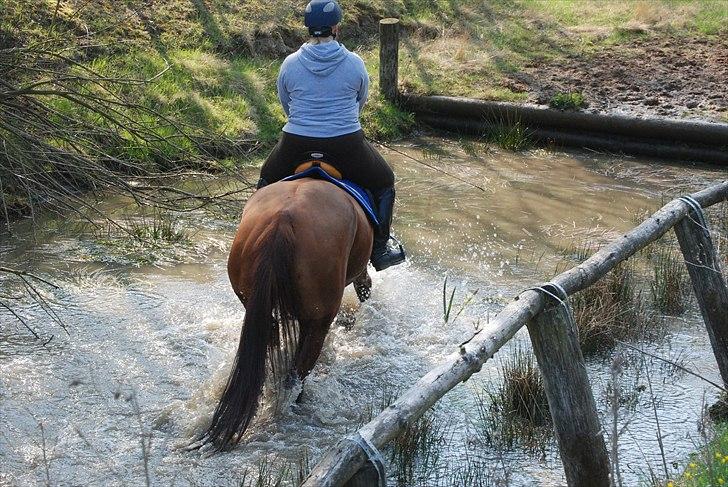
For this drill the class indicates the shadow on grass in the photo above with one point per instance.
(210, 25)
(269, 126)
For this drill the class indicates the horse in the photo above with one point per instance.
(298, 245)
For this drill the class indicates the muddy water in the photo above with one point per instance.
(150, 341)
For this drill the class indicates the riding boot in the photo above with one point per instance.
(385, 254)
(261, 183)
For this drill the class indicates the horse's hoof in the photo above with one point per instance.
(346, 319)
(363, 291)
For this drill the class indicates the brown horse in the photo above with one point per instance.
(299, 244)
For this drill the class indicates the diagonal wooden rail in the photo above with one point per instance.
(347, 457)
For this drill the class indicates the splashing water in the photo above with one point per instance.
(150, 346)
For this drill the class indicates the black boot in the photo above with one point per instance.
(383, 254)
(261, 183)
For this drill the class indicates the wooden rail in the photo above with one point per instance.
(571, 401)
(651, 136)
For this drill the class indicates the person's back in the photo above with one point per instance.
(322, 88)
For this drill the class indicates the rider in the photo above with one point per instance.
(323, 87)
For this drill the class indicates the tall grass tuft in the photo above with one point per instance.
(510, 136)
(515, 413)
(416, 452)
(670, 287)
(160, 229)
(612, 309)
(567, 101)
(275, 472)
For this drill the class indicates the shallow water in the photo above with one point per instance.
(149, 344)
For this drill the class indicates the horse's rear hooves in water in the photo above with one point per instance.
(363, 287)
(346, 318)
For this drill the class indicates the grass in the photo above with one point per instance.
(415, 453)
(708, 467)
(230, 99)
(273, 472)
(612, 309)
(567, 101)
(510, 136)
(515, 413)
(382, 120)
(160, 230)
(143, 239)
(605, 18)
(671, 285)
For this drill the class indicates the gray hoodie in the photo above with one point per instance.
(322, 88)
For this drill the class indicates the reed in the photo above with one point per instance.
(671, 286)
(513, 136)
(416, 453)
(158, 229)
(611, 310)
(515, 413)
(274, 472)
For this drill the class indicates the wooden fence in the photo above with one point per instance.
(355, 460)
(653, 137)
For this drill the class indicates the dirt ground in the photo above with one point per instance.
(669, 77)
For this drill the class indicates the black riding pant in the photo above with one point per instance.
(351, 154)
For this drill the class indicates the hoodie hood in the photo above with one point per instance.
(322, 59)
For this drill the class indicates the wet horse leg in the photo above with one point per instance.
(347, 313)
(363, 286)
(311, 341)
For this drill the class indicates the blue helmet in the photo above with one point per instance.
(321, 16)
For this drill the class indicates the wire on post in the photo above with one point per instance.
(698, 209)
(373, 456)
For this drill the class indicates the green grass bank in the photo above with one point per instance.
(141, 87)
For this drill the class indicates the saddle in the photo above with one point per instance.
(316, 167)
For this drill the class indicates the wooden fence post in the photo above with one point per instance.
(366, 477)
(573, 410)
(388, 57)
(708, 281)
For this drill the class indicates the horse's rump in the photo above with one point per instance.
(298, 245)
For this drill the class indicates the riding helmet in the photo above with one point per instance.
(321, 16)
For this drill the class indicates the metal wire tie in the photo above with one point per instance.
(695, 206)
(373, 455)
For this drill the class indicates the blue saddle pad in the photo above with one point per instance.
(356, 191)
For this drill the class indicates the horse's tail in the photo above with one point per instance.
(269, 326)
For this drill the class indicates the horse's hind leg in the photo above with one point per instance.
(363, 286)
(311, 342)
